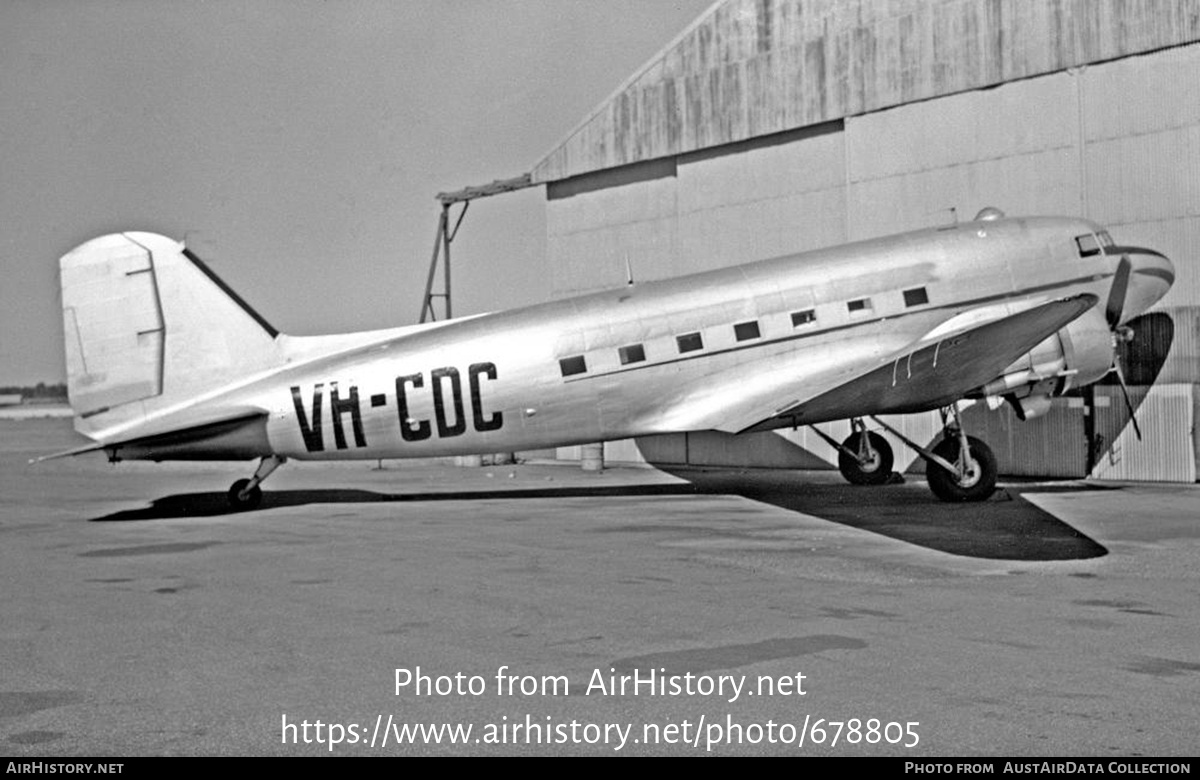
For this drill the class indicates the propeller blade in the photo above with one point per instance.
(1116, 293)
(1125, 392)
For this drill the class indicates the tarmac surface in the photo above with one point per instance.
(140, 618)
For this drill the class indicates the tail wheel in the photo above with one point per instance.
(868, 468)
(973, 481)
(243, 503)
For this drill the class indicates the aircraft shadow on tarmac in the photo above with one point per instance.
(1007, 527)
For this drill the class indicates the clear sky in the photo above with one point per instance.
(296, 145)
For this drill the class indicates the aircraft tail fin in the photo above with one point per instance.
(147, 324)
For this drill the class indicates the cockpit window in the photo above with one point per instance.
(1106, 240)
(1088, 245)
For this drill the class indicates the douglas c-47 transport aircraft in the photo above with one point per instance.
(164, 362)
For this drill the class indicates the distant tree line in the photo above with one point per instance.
(41, 391)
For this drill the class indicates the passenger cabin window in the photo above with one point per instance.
(806, 317)
(634, 353)
(916, 297)
(859, 305)
(744, 331)
(571, 366)
(689, 342)
(1088, 245)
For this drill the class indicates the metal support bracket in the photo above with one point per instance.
(832, 442)
(966, 464)
(925, 453)
(865, 452)
(445, 235)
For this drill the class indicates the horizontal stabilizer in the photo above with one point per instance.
(68, 453)
(236, 436)
(227, 435)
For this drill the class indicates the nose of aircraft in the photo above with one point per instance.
(1152, 275)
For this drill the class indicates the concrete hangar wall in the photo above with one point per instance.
(775, 126)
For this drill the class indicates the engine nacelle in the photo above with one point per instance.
(1030, 406)
(1075, 356)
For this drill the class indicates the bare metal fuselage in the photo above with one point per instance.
(495, 382)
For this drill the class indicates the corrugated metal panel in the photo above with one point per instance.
(767, 200)
(623, 451)
(1038, 183)
(711, 210)
(1167, 450)
(1183, 361)
(596, 259)
(1015, 146)
(750, 67)
(1141, 95)
(1196, 428)
(785, 165)
(1012, 120)
(738, 233)
(612, 199)
(814, 444)
(1144, 177)
(569, 453)
(667, 448)
(921, 428)
(591, 232)
(1054, 445)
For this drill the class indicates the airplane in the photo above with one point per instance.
(166, 362)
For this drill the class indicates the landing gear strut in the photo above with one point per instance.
(974, 474)
(245, 494)
(960, 467)
(864, 458)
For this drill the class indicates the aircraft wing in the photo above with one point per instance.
(934, 370)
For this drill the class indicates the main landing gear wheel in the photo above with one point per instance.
(873, 463)
(243, 500)
(974, 478)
